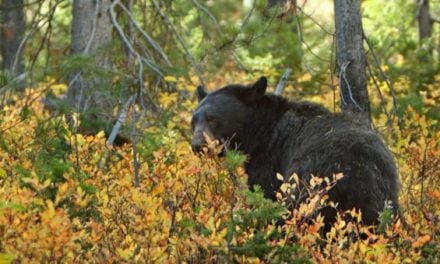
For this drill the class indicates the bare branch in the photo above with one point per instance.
(36, 25)
(124, 38)
(153, 43)
(92, 34)
(384, 77)
(301, 38)
(138, 57)
(314, 21)
(282, 82)
(121, 120)
(382, 99)
(209, 14)
(182, 42)
(332, 70)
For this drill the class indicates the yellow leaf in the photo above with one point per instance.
(421, 241)
(158, 190)
(46, 183)
(280, 177)
(50, 213)
(295, 178)
(190, 88)
(170, 79)
(167, 99)
(100, 135)
(211, 223)
(284, 187)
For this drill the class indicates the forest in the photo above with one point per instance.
(96, 103)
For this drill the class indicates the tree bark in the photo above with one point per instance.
(12, 30)
(350, 56)
(91, 33)
(424, 19)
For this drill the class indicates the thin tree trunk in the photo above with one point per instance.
(424, 19)
(91, 33)
(350, 57)
(11, 37)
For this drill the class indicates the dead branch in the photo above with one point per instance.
(280, 86)
(150, 40)
(182, 42)
(385, 78)
(120, 121)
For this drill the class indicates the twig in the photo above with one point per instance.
(301, 38)
(282, 82)
(181, 41)
(153, 43)
(137, 178)
(382, 99)
(138, 57)
(385, 78)
(332, 70)
(35, 26)
(314, 21)
(92, 34)
(248, 17)
(121, 33)
(209, 14)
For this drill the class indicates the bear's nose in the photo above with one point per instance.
(196, 147)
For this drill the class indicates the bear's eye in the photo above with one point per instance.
(210, 119)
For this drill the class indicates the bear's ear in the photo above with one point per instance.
(257, 90)
(201, 93)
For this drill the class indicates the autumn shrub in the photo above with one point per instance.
(67, 197)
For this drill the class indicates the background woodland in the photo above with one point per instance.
(96, 98)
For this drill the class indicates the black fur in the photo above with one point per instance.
(285, 137)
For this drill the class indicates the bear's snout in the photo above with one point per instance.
(201, 136)
(197, 144)
(198, 140)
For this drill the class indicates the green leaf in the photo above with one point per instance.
(6, 258)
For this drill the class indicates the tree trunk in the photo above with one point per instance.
(11, 38)
(91, 34)
(350, 57)
(424, 19)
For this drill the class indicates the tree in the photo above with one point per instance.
(91, 34)
(11, 38)
(424, 19)
(350, 58)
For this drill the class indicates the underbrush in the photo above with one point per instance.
(67, 197)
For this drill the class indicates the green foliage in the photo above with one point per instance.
(260, 211)
(386, 218)
(234, 159)
(51, 159)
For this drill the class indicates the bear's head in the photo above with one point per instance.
(221, 115)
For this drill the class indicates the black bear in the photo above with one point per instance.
(285, 137)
